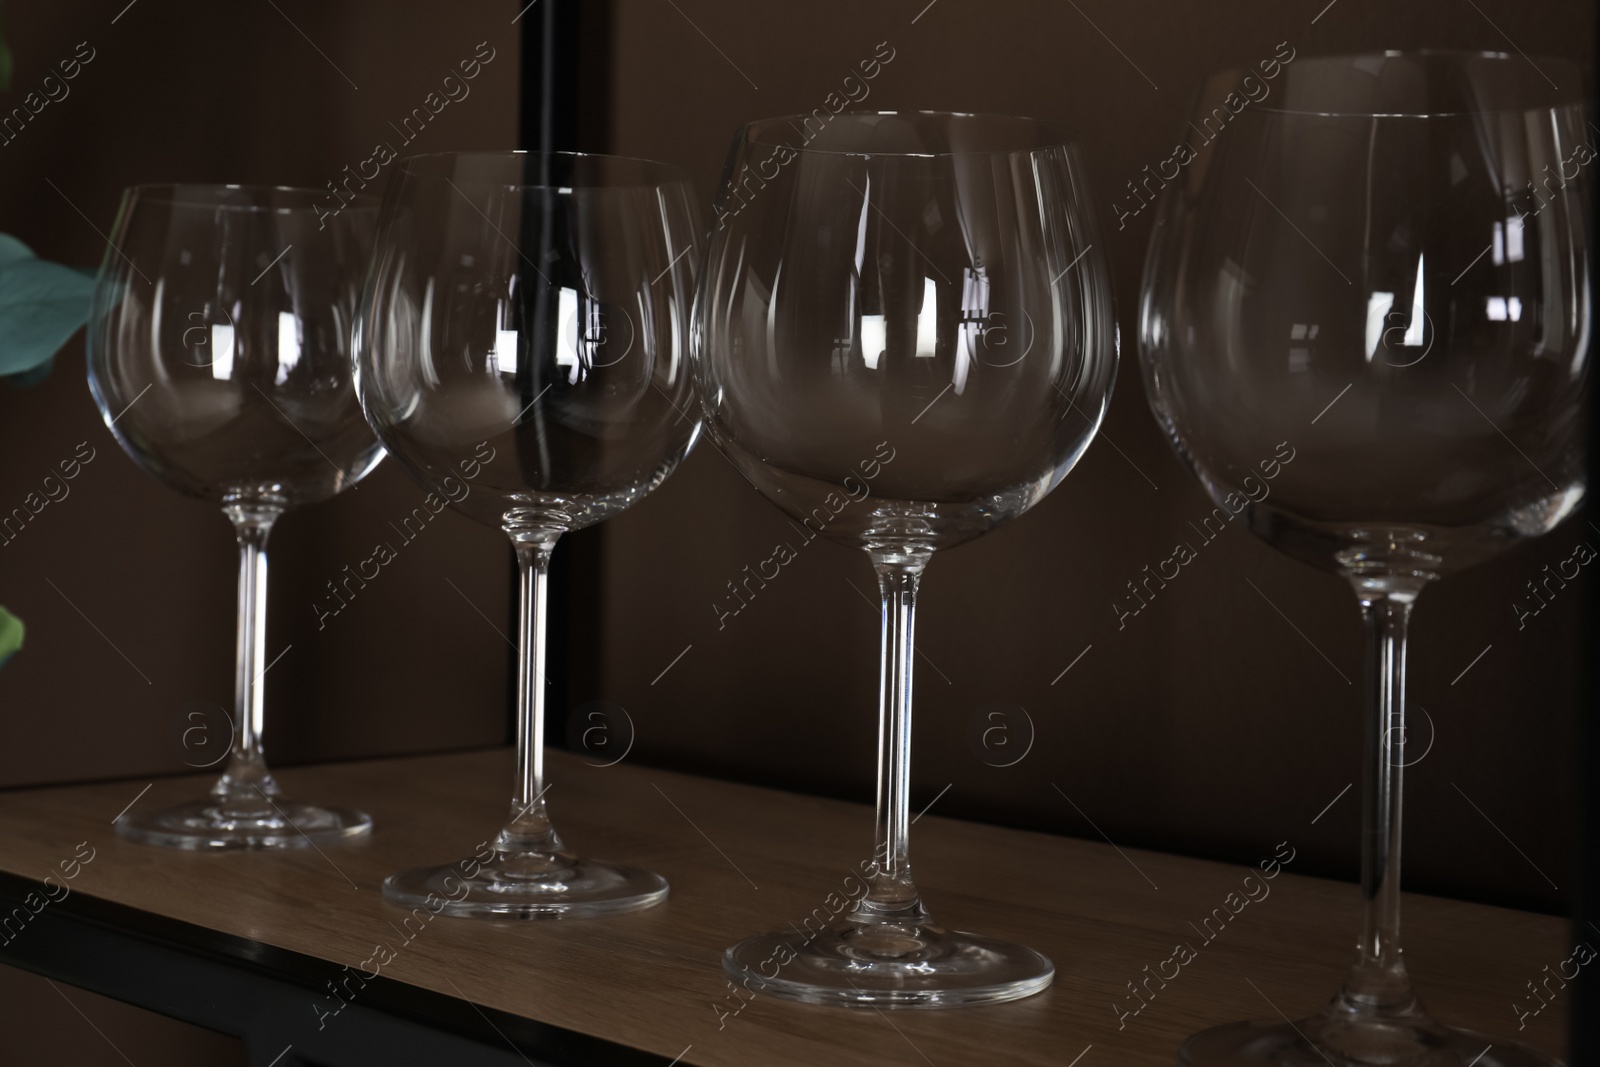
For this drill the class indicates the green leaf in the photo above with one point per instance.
(12, 250)
(11, 631)
(5, 64)
(42, 304)
(32, 376)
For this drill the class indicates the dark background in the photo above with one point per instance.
(1208, 725)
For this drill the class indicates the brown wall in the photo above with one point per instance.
(207, 93)
(1208, 724)
(196, 91)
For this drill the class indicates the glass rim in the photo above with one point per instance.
(670, 173)
(1537, 63)
(215, 197)
(1060, 134)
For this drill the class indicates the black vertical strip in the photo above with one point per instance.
(566, 106)
(566, 76)
(1585, 1018)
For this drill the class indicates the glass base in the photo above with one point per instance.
(526, 886)
(213, 824)
(1344, 1045)
(887, 966)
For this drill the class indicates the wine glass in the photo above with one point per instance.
(904, 337)
(1365, 326)
(219, 356)
(522, 349)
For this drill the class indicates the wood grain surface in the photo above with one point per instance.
(742, 859)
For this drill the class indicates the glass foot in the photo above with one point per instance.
(526, 885)
(1320, 1042)
(882, 965)
(214, 824)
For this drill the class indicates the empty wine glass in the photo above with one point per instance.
(219, 356)
(1365, 326)
(904, 338)
(523, 351)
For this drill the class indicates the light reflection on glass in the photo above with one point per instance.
(221, 351)
(288, 345)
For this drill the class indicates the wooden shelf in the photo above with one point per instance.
(741, 860)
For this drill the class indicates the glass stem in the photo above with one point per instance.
(892, 896)
(529, 830)
(247, 767)
(1378, 985)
